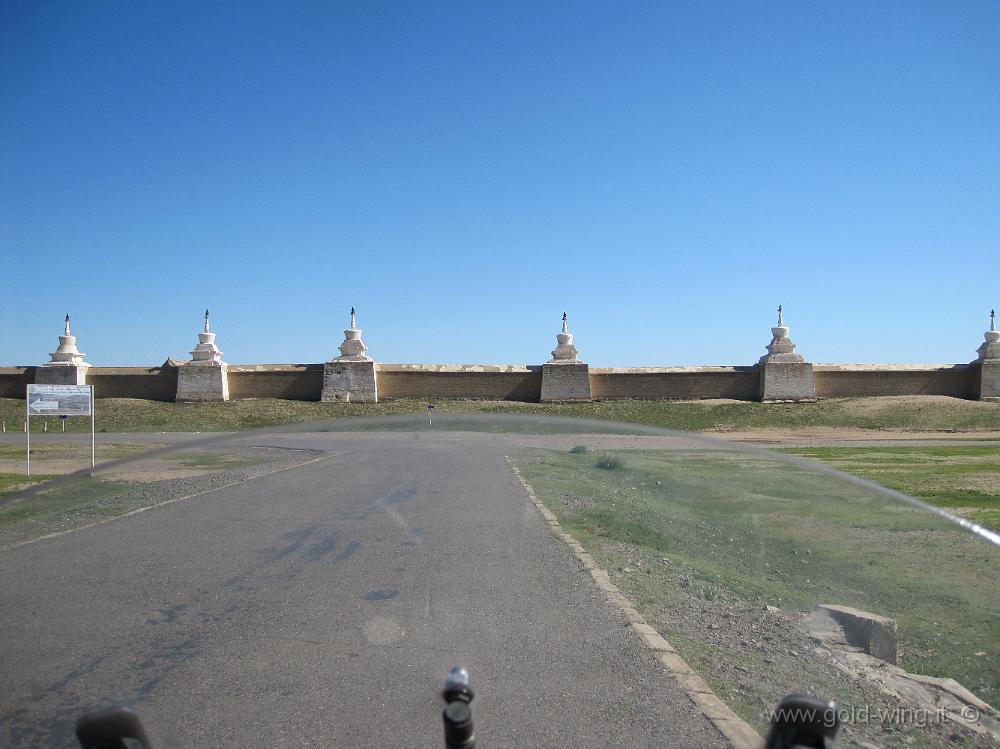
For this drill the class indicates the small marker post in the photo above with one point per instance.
(430, 414)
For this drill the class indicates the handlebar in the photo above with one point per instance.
(799, 722)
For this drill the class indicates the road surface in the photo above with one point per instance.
(323, 605)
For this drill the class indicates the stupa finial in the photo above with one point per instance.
(565, 329)
(67, 324)
(354, 323)
(206, 321)
(781, 315)
(993, 319)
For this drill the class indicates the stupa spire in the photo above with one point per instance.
(66, 329)
(206, 322)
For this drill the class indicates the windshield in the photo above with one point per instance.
(602, 584)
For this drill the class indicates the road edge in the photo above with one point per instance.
(734, 729)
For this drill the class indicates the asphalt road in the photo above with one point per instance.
(323, 606)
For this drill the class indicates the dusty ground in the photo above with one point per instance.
(754, 655)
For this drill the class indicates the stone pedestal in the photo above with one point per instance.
(61, 374)
(989, 380)
(202, 381)
(569, 381)
(785, 375)
(787, 381)
(206, 376)
(349, 381)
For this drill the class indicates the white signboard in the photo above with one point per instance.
(59, 400)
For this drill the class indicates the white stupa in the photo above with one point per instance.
(66, 365)
(781, 349)
(990, 349)
(67, 355)
(565, 352)
(206, 376)
(353, 348)
(351, 377)
(564, 377)
(784, 375)
(206, 350)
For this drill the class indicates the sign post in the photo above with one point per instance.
(61, 401)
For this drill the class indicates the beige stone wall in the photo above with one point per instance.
(14, 380)
(301, 382)
(853, 380)
(675, 383)
(524, 383)
(489, 382)
(149, 383)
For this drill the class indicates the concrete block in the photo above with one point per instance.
(569, 381)
(989, 379)
(786, 381)
(352, 381)
(874, 634)
(202, 381)
(62, 374)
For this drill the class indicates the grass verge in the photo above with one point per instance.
(702, 541)
(14, 482)
(93, 497)
(903, 414)
(964, 480)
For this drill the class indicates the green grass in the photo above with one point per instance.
(13, 482)
(43, 451)
(959, 478)
(129, 415)
(208, 459)
(93, 497)
(610, 463)
(756, 531)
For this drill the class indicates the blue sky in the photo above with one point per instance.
(462, 173)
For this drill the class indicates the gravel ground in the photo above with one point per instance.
(753, 655)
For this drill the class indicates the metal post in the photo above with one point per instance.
(93, 451)
(27, 433)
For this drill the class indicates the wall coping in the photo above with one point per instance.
(670, 370)
(272, 367)
(21, 369)
(503, 368)
(887, 367)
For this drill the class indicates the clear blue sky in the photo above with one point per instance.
(668, 173)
